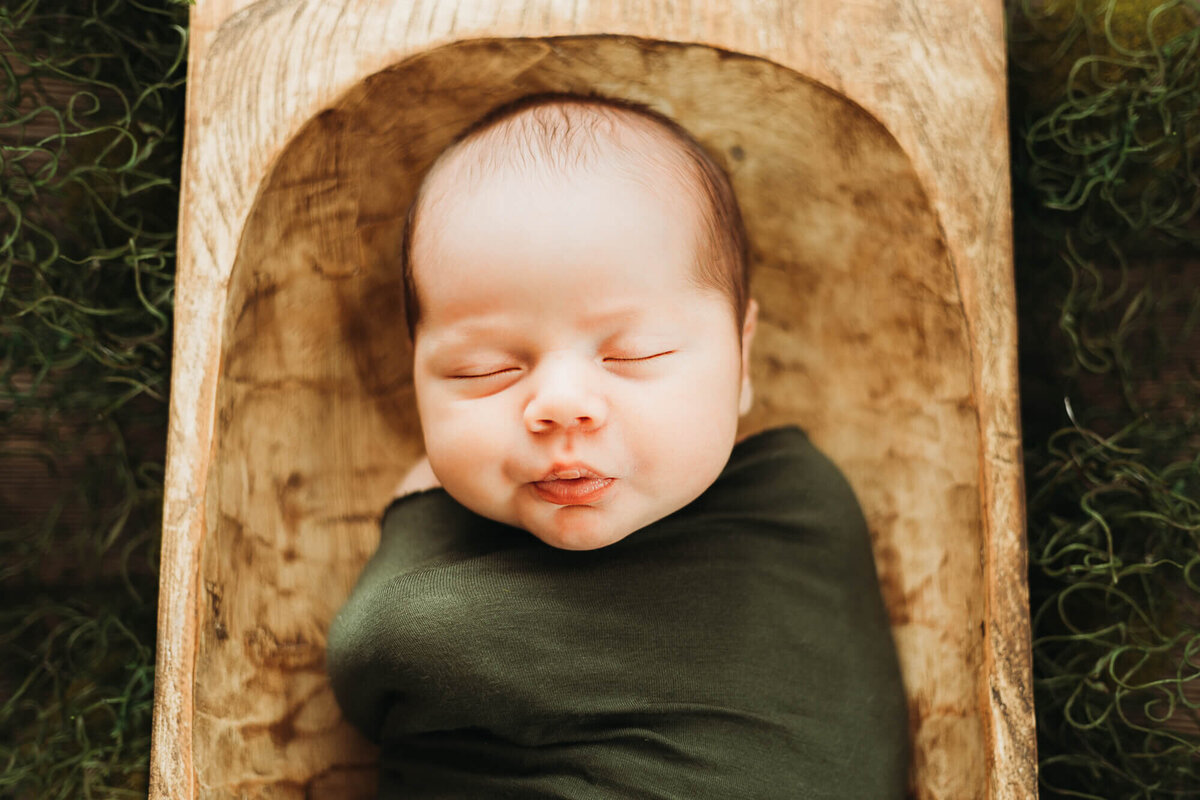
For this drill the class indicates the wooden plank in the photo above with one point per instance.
(282, 446)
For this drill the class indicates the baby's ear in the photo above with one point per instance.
(748, 328)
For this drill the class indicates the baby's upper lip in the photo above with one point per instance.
(566, 471)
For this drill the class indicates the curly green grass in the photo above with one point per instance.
(91, 136)
(1105, 101)
(1108, 93)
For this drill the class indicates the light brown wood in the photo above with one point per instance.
(867, 144)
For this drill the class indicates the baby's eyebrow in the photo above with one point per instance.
(467, 332)
(617, 315)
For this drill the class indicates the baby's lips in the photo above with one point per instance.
(569, 492)
(570, 471)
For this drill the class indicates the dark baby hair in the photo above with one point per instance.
(549, 141)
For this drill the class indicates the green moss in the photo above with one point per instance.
(1106, 94)
(91, 130)
(1105, 101)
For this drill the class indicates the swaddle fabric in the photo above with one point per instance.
(738, 648)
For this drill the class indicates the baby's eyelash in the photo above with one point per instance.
(494, 373)
(484, 375)
(643, 358)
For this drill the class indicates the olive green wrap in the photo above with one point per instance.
(738, 648)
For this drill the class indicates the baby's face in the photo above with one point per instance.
(560, 333)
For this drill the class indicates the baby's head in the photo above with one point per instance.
(577, 295)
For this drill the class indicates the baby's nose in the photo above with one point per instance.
(564, 397)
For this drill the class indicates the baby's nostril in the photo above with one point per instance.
(569, 423)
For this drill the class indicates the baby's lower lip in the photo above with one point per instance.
(575, 491)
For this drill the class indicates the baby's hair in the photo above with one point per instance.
(544, 137)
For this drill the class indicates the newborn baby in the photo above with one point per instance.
(589, 588)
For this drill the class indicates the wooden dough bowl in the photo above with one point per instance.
(867, 145)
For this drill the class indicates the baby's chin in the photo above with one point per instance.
(580, 537)
(590, 527)
(570, 527)
(577, 527)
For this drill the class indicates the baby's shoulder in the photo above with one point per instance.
(781, 468)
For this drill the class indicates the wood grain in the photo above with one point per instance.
(867, 144)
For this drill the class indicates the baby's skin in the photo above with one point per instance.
(418, 478)
(572, 377)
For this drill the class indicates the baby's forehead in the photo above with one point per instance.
(595, 143)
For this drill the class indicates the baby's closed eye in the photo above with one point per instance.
(638, 358)
(490, 373)
(493, 372)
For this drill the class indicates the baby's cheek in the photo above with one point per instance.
(465, 445)
(705, 398)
